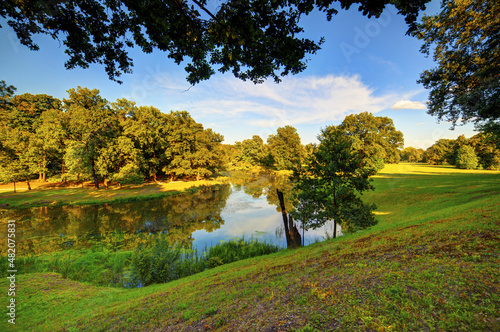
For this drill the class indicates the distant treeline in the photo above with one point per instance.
(85, 137)
(479, 151)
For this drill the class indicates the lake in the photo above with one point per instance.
(248, 206)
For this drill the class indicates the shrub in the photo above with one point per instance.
(155, 263)
(232, 251)
(129, 174)
(214, 262)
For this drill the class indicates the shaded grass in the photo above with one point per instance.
(82, 196)
(431, 264)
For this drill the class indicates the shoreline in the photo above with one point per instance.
(41, 196)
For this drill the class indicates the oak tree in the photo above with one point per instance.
(91, 125)
(464, 41)
(375, 136)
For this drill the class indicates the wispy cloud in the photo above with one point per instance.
(389, 65)
(408, 104)
(297, 100)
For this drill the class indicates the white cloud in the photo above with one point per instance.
(296, 100)
(408, 104)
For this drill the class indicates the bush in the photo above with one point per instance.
(232, 251)
(129, 174)
(155, 263)
(214, 262)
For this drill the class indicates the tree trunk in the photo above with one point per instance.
(334, 221)
(14, 186)
(96, 183)
(294, 233)
(62, 172)
(28, 183)
(171, 176)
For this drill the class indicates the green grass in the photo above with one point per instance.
(431, 264)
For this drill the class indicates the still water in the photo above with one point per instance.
(248, 207)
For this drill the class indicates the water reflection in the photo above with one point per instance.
(249, 207)
(47, 229)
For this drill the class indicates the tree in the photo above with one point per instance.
(25, 140)
(254, 151)
(253, 39)
(6, 93)
(465, 84)
(376, 136)
(440, 152)
(486, 150)
(207, 156)
(47, 143)
(286, 148)
(91, 125)
(329, 187)
(192, 150)
(411, 155)
(466, 157)
(148, 127)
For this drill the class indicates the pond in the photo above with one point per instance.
(248, 207)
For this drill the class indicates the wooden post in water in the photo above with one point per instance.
(293, 238)
(285, 221)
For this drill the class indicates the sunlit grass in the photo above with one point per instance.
(431, 264)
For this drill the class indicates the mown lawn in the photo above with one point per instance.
(431, 264)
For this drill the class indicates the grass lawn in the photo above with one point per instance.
(431, 264)
(42, 195)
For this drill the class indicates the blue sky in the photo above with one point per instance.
(364, 65)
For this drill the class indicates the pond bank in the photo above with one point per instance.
(50, 196)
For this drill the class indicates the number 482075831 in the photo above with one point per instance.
(11, 242)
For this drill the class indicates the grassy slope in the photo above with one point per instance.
(432, 263)
(42, 196)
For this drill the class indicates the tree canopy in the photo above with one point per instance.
(88, 137)
(464, 39)
(375, 136)
(481, 151)
(466, 157)
(253, 39)
(411, 154)
(285, 148)
(329, 186)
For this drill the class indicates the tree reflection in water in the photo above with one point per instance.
(118, 226)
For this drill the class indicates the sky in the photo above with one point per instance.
(365, 65)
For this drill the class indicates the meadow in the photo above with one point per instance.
(430, 264)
